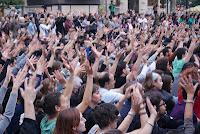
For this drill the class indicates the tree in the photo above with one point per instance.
(191, 3)
(6, 3)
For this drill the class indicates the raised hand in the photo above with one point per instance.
(19, 79)
(41, 65)
(151, 108)
(88, 68)
(8, 76)
(96, 52)
(31, 61)
(119, 54)
(187, 84)
(59, 76)
(68, 66)
(136, 98)
(29, 93)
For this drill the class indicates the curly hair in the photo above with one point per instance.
(105, 114)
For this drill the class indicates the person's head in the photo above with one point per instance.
(106, 80)
(153, 80)
(162, 64)
(167, 82)
(121, 69)
(96, 97)
(123, 44)
(106, 115)
(48, 86)
(167, 51)
(197, 128)
(32, 19)
(113, 131)
(70, 121)
(197, 93)
(180, 53)
(156, 100)
(190, 69)
(56, 66)
(54, 103)
(131, 83)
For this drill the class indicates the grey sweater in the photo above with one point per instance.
(5, 119)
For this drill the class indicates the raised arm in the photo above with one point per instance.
(97, 59)
(192, 47)
(187, 84)
(88, 90)
(136, 100)
(3, 89)
(10, 107)
(148, 127)
(127, 95)
(128, 57)
(29, 95)
(70, 82)
(113, 68)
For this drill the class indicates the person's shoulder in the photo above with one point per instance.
(94, 129)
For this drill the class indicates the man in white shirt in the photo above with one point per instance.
(106, 82)
(143, 22)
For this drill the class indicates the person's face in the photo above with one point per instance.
(162, 107)
(96, 97)
(126, 71)
(113, 125)
(158, 83)
(1, 67)
(81, 126)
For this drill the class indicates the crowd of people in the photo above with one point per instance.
(99, 74)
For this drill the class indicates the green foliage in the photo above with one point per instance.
(11, 2)
(192, 3)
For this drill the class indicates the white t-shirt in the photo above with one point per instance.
(109, 96)
(143, 22)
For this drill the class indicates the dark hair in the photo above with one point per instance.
(102, 80)
(165, 51)
(197, 128)
(122, 44)
(155, 98)
(1, 109)
(162, 63)
(105, 114)
(187, 66)
(113, 131)
(82, 90)
(50, 101)
(48, 86)
(180, 52)
(166, 79)
(66, 121)
(120, 67)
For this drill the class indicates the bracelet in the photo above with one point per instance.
(131, 114)
(142, 113)
(189, 101)
(150, 124)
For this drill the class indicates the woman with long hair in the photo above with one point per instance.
(70, 121)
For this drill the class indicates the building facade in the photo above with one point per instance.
(66, 6)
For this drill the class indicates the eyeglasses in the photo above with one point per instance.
(163, 104)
